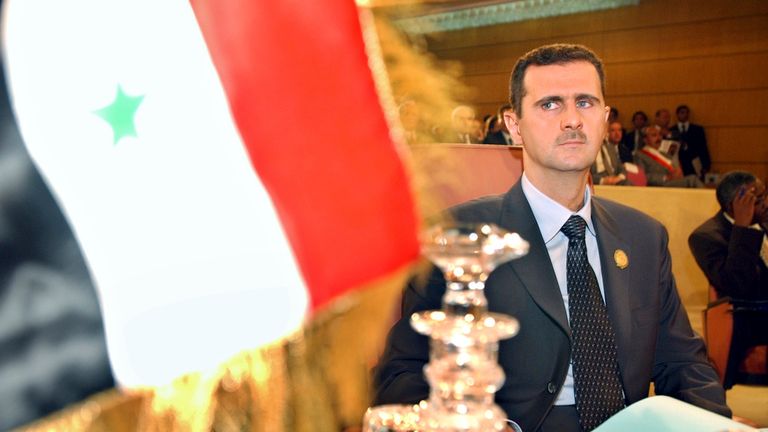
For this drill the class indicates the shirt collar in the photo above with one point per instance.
(549, 214)
(731, 220)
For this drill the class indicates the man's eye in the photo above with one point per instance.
(549, 105)
(585, 103)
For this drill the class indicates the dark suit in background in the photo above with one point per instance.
(729, 256)
(632, 140)
(693, 144)
(654, 339)
(497, 137)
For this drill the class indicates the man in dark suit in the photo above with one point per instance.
(557, 92)
(608, 168)
(633, 140)
(694, 154)
(502, 136)
(732, 250)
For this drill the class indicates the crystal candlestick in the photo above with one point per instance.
(463, 371)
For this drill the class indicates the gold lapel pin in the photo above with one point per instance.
(622, 261)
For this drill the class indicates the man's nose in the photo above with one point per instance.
(571, 118)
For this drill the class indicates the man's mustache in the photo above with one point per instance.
(574, 135)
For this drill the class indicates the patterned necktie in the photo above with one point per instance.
(595, 368)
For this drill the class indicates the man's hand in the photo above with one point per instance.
(743, 206)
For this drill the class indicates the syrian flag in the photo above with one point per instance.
(216, 205)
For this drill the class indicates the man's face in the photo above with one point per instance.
(615, 132)
(564, 117)
(682, 115)
(463, 120)
(663, 118)
(638, 121)
(652, 137)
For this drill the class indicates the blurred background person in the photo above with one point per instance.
(608, 168)
(411, 120)
(661, 168)
(731, 249)
(478, 131)
(693, 154)
(633, 140)
(662, 120)
(501, 135)
(462, 127)
(613, 115)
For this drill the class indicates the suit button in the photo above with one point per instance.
(551, 387)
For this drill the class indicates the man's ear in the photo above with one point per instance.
(607, 113)
(510, 119)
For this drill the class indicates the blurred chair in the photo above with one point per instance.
(718, 333)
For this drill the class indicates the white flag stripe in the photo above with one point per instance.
(182, 241)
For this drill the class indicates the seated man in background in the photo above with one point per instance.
(462, 127)
(732, 250)
(502, 135)
(633, 139)
(414, 131)
(608, 168)
(662, 120)
(660, 168)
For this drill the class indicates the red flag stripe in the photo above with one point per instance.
(300, 90)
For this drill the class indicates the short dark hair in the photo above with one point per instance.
(730, 184)
(503, 108)
(640, 113)
(549, 55)
(682, 107)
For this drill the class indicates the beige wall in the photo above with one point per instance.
(709, 54)
(681, 211)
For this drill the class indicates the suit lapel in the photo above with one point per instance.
(616, 280)
(535, 269)
(537, 276)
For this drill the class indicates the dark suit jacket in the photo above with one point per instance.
(693, 145)
(495, 138)
(654, 338)
(628, 146)
(730, 258)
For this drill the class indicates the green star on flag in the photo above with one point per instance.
(120, 114)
